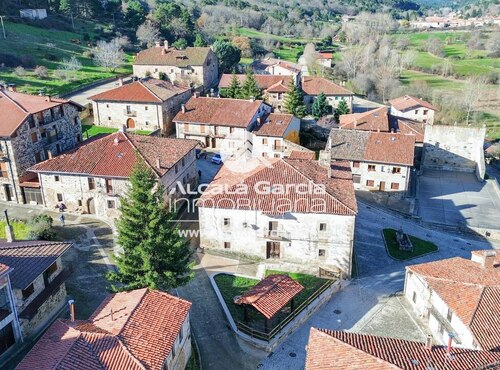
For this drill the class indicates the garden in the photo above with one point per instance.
(420, 247)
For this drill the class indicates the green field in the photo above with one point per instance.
(48, 48)
(91, 130)
(249, 32)
(20, 229)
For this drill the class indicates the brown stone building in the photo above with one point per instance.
(32, 129)
(147, 104)
(194, 66)
(313, 86)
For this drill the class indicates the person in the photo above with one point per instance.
(61, 207)
(61, 218)
(199, 174)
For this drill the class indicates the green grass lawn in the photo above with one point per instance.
(290, 53)
(91, 130)
(250, 32)
(420, 246)
(48, 48)
(231, 286)
(20, 229)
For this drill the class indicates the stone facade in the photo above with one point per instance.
(311, 240)
(40, 136)
(139, 116)
(421, 114)
(454, 148)
(275, 146)
(380, 177)
(181, 350)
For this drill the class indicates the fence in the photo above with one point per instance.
(257, 334)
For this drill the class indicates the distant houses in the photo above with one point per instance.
(413, 108)
(194, 66)
(147, 104)
(313, 86)
(135, 330)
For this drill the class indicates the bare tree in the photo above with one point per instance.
(386, 83)
(310, 56)
(71, 64)
(472, 92)
(351, 62)
(493, 44)
(147, 33)
(109, 54)
(447, 68)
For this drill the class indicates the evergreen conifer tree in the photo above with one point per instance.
(234, 89)
(294, 104)
(320, 106)
(342, 108)
(250, 87)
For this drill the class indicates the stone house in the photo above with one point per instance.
(286, 212)
(331, 349)
(271, 136)
(277, 67)
(313, 86)
(94, 176)
(146, 104)
(34, 292)
(273, 88)
(458, 298)
(379, 161)
(325, 59)
(195, 67)
(224, 124)
(33, 128)
(413, 108)
(134, 330)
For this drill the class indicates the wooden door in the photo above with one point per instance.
(130, 123)
(382, 186)
(91, 206)
(273, 250)
(214, 143)
(8, 193)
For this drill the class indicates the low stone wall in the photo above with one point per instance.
(288, 329)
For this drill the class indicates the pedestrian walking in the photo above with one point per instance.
(61, 218)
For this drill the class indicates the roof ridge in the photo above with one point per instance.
(126, 134)
(15, 102)
(72, 344)
(474, 313)
(261, 294)
(125, 348)
(146, 290)
(150, 91)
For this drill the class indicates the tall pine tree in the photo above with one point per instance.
(294, 104)
(234, 89)
(342, 108)
(154, 254)
(320, 106)
(250, 88)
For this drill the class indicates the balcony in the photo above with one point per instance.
(278, 148)
(276, 234)
(5, 310)
(130, 113)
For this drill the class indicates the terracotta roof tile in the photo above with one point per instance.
(16, 107)
(103, 156)
(373, 120)
(408, 127)
(217, 111)
(29, 259)
(302, 154)
(271, 294)
(262, 64)
(270, 83)
(471, 291)
(316, 85)
(143, 91)
(147, 324)
(407, 102)
(332, 195)
(3, 269)
(275, 124)
(329, 349)
(325, 55)
(191, 56)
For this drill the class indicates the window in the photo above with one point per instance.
(414, 297)
(91, 182)
(355, 164)
(107, 105)
(3, 170)
(321, 252)
(322, 226)
(425, 112)
(371, 167)
(183, 162)
(31, 122)
(370, 183)
(395, 186)
(227, 245)
(176, 168)
(109, 186)
(109, 118)
(56, 178)
(449, 315)
(264, 141)
(396, 169)
(7, 338)
(129, 110)
(147, 123)
(111, 204)
(356, 179)
(264, 155)
(34, 137)
(76, 121)
(227, 222)
(146, 107)
(416, 111)
(52, 269)
(231, 130)
(79, 203)
(276, 156)
(61, 111)
(28, 291)
(38, 157)
(59, 197)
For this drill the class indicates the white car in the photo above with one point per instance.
(217, 159)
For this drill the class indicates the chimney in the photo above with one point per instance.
(163, 52)
(259, 120)
(196, 94)
(120, 81)
(48, 98)
(157, 44)
(325, 161)
(252, 98)
(165, 45)
(11, 87)
(116, 141)
(71, 304)
(488, 259)
(158, 163)
(49, 154)
(183, 108)
(428, 342)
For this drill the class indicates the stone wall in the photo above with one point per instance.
(380, 173)
(454, 148)
(420, 114)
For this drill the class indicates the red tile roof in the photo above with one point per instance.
(471, 291)
(271, 294)
(220, 112)
(130, 330)
(16, 107)
(275, 125)
(325, 55)
(316, 85)
(270, 83)
(331, 195)
(329, 349)
(408, 102)
(267, 62)
(114, 155)
(373, 120)
(3, 269)
(145, 91)
(302, 154)
(191, 56)
(408, 127)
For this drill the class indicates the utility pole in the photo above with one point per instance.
(3, 26)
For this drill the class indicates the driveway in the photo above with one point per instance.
(81, 97)
(360, 105)
(458, 198)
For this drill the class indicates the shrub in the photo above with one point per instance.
(20, 71)
(41, 72)
(61, 74)
(88, 54)
(40, 228)
(51, 57)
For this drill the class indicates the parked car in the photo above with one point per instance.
(217, 159)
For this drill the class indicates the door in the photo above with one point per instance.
(273, 250)
(214, 143)
(130, 123)
(8, 192)
(382, 186)
(207, 142)
(91, 206)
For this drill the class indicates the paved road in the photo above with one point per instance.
(82, 96)
(360, 105)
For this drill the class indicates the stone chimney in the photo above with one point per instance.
(48, 98)
(252, 98)
(259, 120)
(428, 342)
(485, 258)
(71, 304)
(157, 44)
(120, 81)
(165, 45)
(325, 160)
(116, 141)
(12, 87)
(49, 154)
(163, 52)
(183, 108)
(196, 94)
(158, 163)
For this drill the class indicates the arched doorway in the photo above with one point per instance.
(91, 206)
(130, 123)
